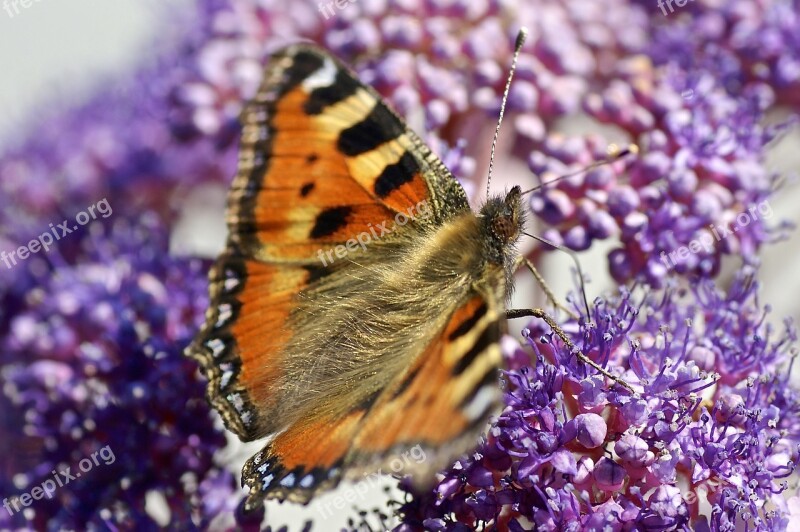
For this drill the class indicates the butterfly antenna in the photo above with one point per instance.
(615, 153)
(523, 33)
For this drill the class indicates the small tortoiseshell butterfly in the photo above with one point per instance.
(348, 359)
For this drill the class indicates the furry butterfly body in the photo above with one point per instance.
(395, 344)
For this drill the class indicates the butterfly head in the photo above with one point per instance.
(503, 220)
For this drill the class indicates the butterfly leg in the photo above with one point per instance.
(523, 261)
(541, 314)
(574, 257)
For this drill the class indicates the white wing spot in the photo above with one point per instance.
(324, 77)
(225, 379)
(225, 313)
(216, 345)
(480, 403)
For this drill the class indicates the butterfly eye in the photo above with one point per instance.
(504, 227)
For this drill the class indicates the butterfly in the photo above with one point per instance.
(345, 353)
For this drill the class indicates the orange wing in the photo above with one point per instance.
(442, 402)
(322, 160)
(445, 398)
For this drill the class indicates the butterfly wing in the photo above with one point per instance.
(441, 402)
(322, 349)
(322, 160)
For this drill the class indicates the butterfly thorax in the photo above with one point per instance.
(503, 220)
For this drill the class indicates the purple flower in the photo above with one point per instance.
(590, 430)
(560, 457)
(93, 361)
(698, 189)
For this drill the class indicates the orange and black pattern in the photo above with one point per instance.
(322, 158)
